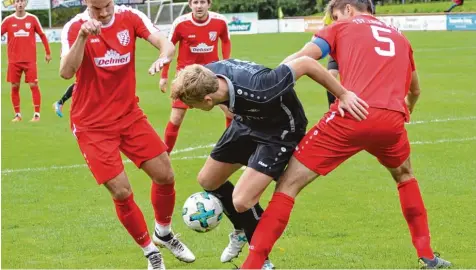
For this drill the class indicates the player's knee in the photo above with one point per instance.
(164, 177)
(33, 85)
(403, 173)
(121, 192)
(242, 202)
(207, 182)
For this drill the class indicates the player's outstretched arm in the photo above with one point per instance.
(305, 65)
(71, 61)
(414, 93)
(310, 49)
(4, 26)
(167, 51)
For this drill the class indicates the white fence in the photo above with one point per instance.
(248, 23)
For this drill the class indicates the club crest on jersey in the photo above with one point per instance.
(28, 25)
(212, 35)
(124, 37)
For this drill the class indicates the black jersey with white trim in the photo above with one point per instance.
(262, 98)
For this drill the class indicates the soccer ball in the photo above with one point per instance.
(202, 212)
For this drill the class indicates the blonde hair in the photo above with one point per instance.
(193, 83)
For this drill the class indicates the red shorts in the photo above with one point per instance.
(101, 149)
(178, 104)
(335, 139)
(16, 69)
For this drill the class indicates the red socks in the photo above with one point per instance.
(171, 134)
(133, 220)
(228, 121)
(163, 201)
(16, 98)
(35, 92)
(270, 227)
(415, 214)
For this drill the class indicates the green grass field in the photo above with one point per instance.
(55, 216)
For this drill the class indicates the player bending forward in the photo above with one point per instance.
(21, 28)
(198, 33)
(98, 46)
(375, 61)
(268, 124)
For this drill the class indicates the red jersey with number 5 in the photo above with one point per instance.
(375, 60)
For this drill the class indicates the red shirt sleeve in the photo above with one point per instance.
(412, 61)
(143, 26)
(69, 35)
(225, 41)
(4, 26)
(41, 33)
(329, 34)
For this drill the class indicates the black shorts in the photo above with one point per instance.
(268, 154)
(332, 64)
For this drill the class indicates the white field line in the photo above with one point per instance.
(190, 149)
(10, 171)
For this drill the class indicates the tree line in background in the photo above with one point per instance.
(267, 9)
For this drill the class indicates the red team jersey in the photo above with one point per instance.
(198, 40)
(21, 39)
(100, 99)
(375, 60)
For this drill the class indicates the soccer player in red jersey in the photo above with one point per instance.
(98, 47)
(376, 62)
(21, 28)
(198, 33)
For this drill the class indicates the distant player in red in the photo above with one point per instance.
(98, 46)
(376, 62)
(21, 28)
(198, 33)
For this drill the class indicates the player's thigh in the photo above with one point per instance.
(295, 178)
(328, 144)
(101, 153)
(249, 188)
(14, 72)
(389, 144)
(31, 73)
(140, 143)
(215, 173)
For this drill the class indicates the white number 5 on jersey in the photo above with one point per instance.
(376, 33)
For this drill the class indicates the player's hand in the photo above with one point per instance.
(350, 102)
(410, 106)
(158, 65)
(163, 84)
(92, 27)
(47, 58)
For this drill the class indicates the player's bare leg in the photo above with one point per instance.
(228, 115)
(214, 179)
(173, 126)
(275, 219)
(36, 95)
(15, 95)
(163, 201)
(58, 105)
(132, 218)
(415, 214)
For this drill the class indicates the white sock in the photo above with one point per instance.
(18, 114)
(150, 248)
(163, 230)
(37, 114)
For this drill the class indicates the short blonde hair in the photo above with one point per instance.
(193, 83)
